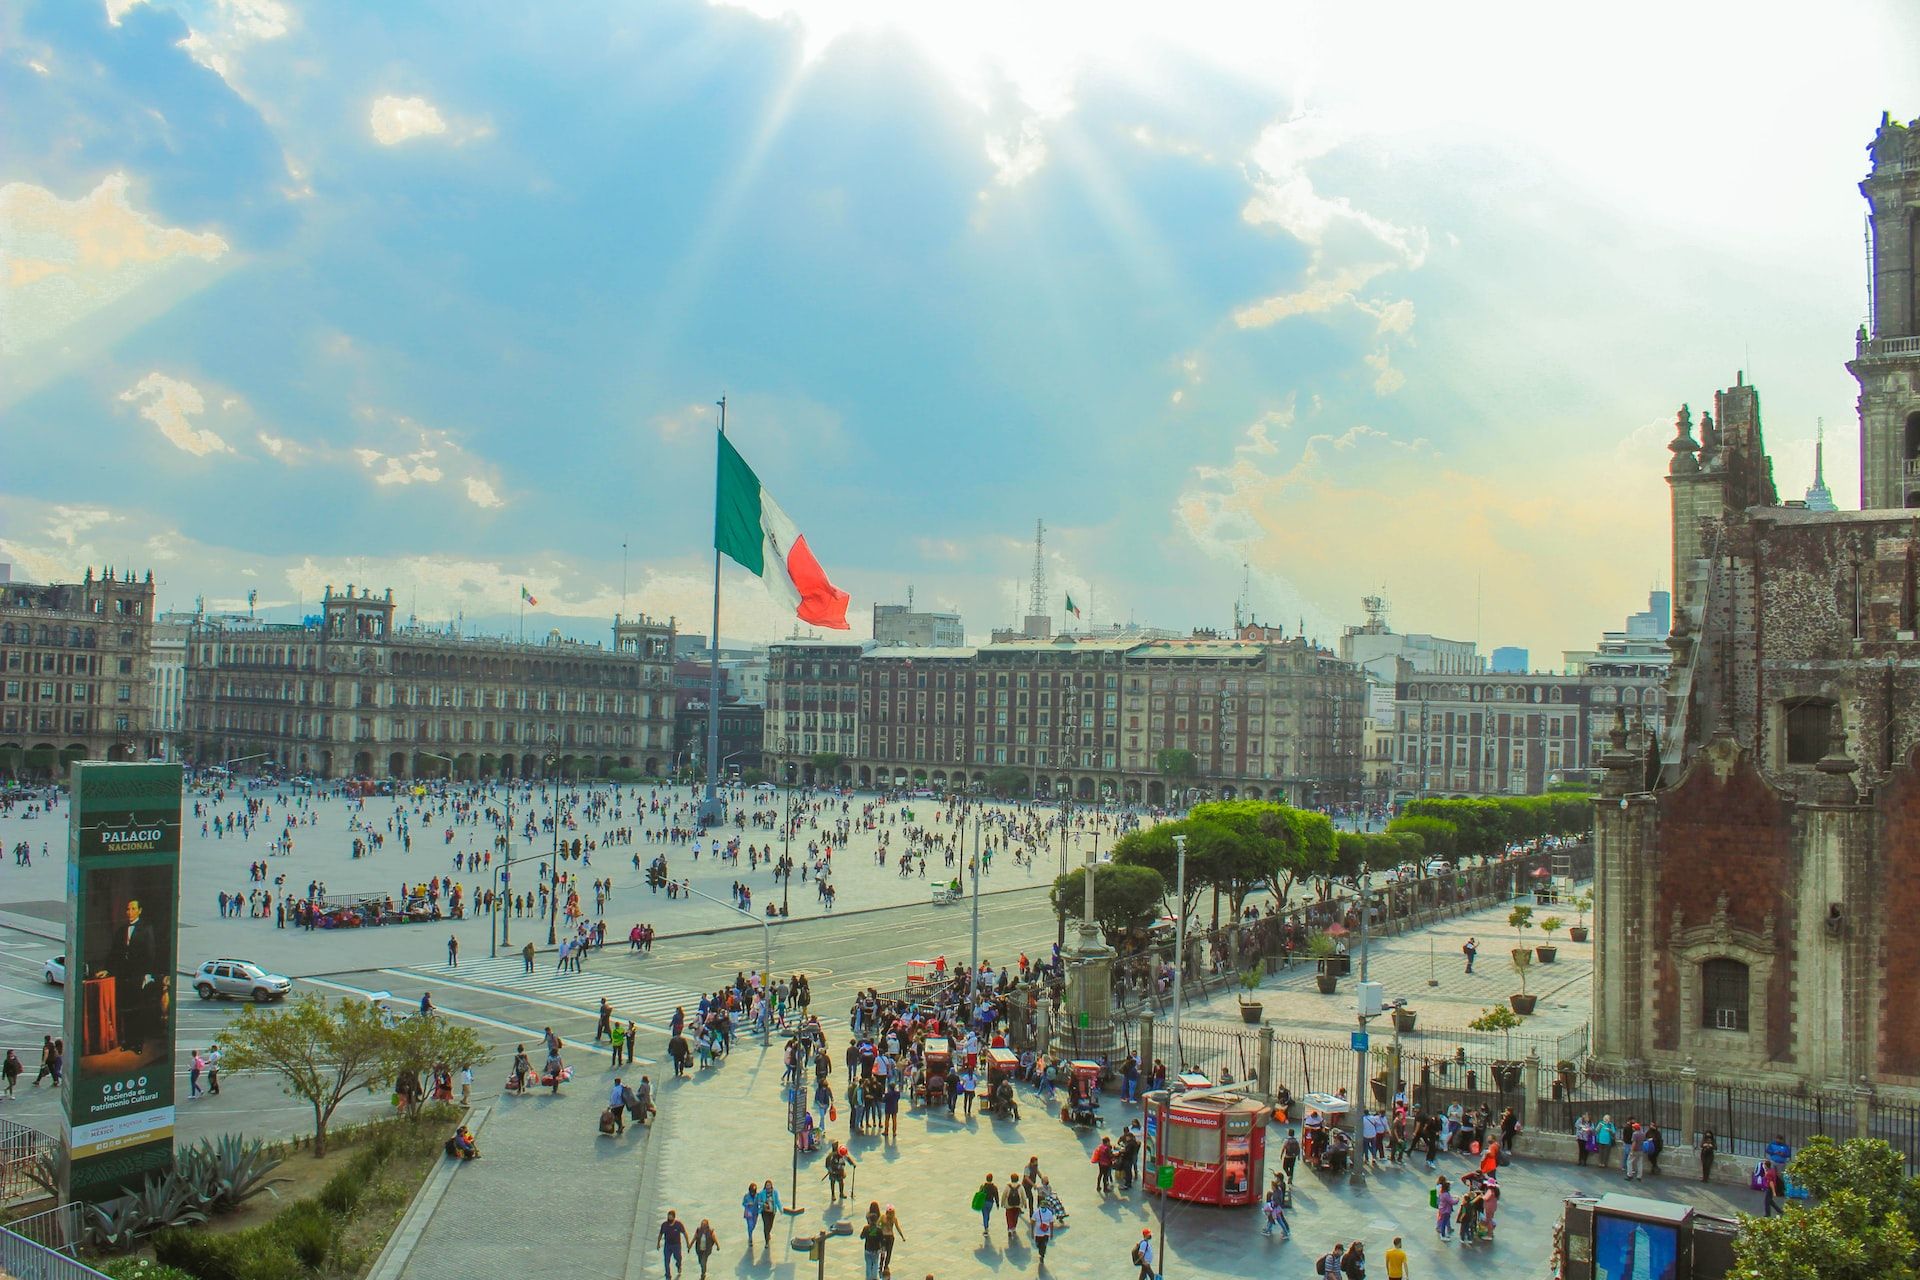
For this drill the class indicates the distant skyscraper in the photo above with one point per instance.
(1819, 497)
(1509, 660)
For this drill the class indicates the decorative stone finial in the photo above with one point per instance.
(1683, 446)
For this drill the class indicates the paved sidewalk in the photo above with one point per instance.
(1404, 965)
(552, 1197)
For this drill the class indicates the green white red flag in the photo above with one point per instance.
(750, 529)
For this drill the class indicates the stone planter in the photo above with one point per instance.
(1403, 1020)
(1578, 933)
(1250, 1012)
(1327, 982)
(1546, 952)
(1523, 1005)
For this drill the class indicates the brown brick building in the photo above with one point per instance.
(1758, 867)
(73, 672)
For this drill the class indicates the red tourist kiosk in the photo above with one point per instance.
(1215, 1141)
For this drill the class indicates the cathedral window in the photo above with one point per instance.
(1723, 995)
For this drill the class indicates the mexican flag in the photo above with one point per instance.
(751, 530)
(526, 596)
(1072, 608)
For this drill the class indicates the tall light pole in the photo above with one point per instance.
(492, 948)
(1180, 951)
(553, 872)
(973, 969)
(1365, 996)
(1060, 939)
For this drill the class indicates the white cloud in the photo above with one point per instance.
(1016, 153)
(1284, 195)
(1386, 379)
(64, 260)
(684, 423)
(416, 467)
(169, 403)
(1321, 293)
(228, 29)
(394, 120)
(481, 494)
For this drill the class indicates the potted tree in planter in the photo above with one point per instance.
(1403, 1018)
(1249, 984)
(1582, 904)
(1519, 920)
(1320, 947)
(1502, 1019)
(1546, 950)
(1521, 1001)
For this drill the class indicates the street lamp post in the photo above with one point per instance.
(1356, 1170)
(973, 969)
(1060, 939)
(553, 871)
(493, 944)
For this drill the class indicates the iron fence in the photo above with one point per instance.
(61, 1229)
(1745, 1119)
(25, 1259)
(20, 1148)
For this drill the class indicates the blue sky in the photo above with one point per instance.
(440, 296)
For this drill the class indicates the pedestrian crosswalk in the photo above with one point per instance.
(649, 1004)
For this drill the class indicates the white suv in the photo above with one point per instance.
(241, 980)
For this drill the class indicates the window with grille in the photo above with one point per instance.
(1723, 987)
(1809, 723)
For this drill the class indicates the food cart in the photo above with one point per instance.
(920, 973)
(1083, 1093)
(1002, 1066)
(1214, 1140)
(937, 1058)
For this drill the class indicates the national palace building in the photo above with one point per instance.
(73, 672)
(350, 695)
(1263, 716)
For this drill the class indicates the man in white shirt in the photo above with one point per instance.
(617, 1105)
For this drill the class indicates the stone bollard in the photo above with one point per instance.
(1266, 1060)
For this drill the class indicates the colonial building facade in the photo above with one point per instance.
(1756, 870)
(1077, 717)
(349, 695)
(73, 672)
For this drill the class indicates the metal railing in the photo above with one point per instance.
(24, 1258)
(62, 1229)
(1872, 348)
(20, 1147)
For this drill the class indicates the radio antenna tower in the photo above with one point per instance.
(1037, 603)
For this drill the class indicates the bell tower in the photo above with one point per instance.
(1886, 360)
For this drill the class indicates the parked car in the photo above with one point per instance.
(55, 971)
(240, 980)
(1439, 867)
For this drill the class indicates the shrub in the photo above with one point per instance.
(341, 1194)
(307, 1228)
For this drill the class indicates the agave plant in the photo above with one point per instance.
(115, 1224)
(168, 1202)
(48, 1165)
(239, 1169)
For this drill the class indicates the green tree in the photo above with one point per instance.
(1180, 767)
(1124, 897)
(1862, 1222)
(826, 764)
(419, 1044)
(1438, 837)
(323, 1052)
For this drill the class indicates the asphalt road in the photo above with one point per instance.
(840, 955)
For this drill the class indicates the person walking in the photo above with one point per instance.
(1771, 1187)
(986, 1198)
(604, 1026)
(704, 1243)
(1396, 1261)
(46, 1062)
(1289, 1154)
(1353, 1263)
(1043, 1228)
(671, 1237)
(1143, 1254)
(750, 1210)
(199, 1064)
(1275, 1210)
(891, 1233)
(1443, 1202)
(769, 1208)
(1012, 1204)
(213, 1069)
(617, 1107)
(526, 958)
(1470, 949)
(11, 1070)
(453, 952)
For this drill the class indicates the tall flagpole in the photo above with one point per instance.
(710, 807)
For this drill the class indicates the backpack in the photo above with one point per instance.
(1138, 1261)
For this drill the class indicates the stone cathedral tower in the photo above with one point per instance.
(1887, 361)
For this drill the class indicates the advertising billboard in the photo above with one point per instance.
(123, 881)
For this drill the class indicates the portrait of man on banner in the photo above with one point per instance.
(127, 968)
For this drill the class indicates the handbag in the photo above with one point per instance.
(979, 1200)
(1759, 1178)
(833, 1112)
